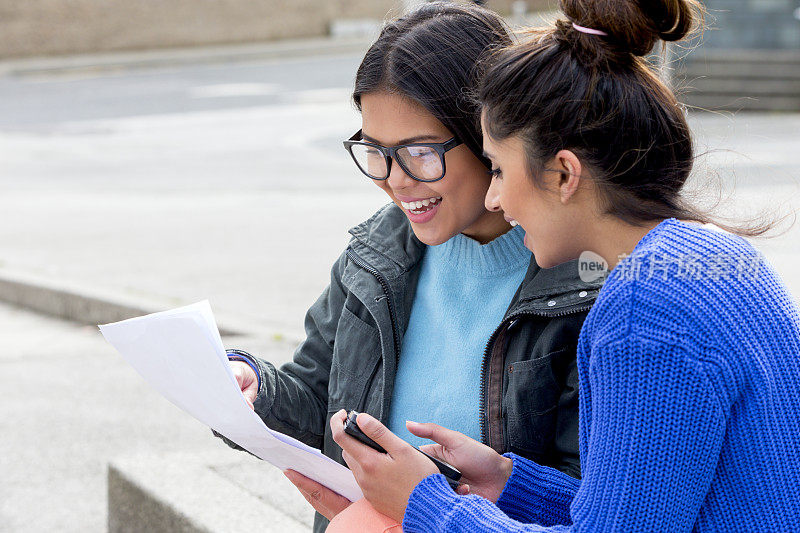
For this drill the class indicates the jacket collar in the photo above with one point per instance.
(554, 290)
(387, 241)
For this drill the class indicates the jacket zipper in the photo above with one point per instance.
(385, 285)
(486, 359)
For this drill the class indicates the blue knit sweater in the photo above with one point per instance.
(689, 368)
(463, 291)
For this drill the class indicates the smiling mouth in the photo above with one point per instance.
(421, 206)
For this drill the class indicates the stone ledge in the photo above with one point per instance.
(92, 306)
(181, 56)
(202, 493)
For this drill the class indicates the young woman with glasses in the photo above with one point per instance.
(689, 362)
(435, 309)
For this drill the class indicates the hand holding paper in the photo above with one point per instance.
(180, 353)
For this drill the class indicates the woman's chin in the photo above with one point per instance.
(432, 241)
(430, 236)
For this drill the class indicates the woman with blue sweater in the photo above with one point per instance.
(689, 362)
(435, 308)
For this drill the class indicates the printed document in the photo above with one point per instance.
(180, 353)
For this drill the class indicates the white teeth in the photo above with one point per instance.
(514, 223)
(420, 204)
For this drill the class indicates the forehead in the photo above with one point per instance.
(489, 144)
(487, 140)
(510, 149)
(390, 118)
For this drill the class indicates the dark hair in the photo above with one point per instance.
(596, 96)
(430, 56)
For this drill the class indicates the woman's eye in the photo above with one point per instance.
(495, 173)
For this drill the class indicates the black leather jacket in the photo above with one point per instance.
(529, 380)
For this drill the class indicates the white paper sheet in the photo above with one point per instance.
(180, 353)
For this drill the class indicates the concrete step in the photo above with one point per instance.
(203, 493)
(743, 55)
(738, 86)
(772, 64)
(754, 71)
(739, 80)
(721, 102)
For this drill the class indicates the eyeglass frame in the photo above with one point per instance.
(390, 154)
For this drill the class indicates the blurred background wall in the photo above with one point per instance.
(44, 27)
(763, 24)
(49, 27)
(749, 59)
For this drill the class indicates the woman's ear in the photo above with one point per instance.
(569, 166)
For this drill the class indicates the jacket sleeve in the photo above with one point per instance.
(294, 398)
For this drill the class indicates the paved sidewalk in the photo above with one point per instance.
(70, 404)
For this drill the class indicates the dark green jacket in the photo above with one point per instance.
(529, 381)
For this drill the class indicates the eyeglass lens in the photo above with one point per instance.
(422, 162)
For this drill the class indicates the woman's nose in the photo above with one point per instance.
(398, 179)
(492, 200)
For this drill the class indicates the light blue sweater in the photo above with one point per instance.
(463, 292)
(689, 368)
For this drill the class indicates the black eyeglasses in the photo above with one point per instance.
(421, 161)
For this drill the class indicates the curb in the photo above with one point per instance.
(234, 53)
(91, 306)
(190, 493)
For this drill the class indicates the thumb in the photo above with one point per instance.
(373, 429)
(446, 437)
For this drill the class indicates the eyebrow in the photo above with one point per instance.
(409, 140)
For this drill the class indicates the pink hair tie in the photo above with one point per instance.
(590, 31)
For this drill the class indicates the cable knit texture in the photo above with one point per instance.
(689, 368)
(463, 292)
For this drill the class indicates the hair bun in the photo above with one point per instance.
(633, 26)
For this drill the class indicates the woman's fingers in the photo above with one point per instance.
(246, 379)
(373, 429)
(350, 446)
(436, 450)
(337, 423)
(321, 498)
(446, 437)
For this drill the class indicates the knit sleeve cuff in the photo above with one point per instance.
(433, 506)
(429, 504)
(537, 494)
